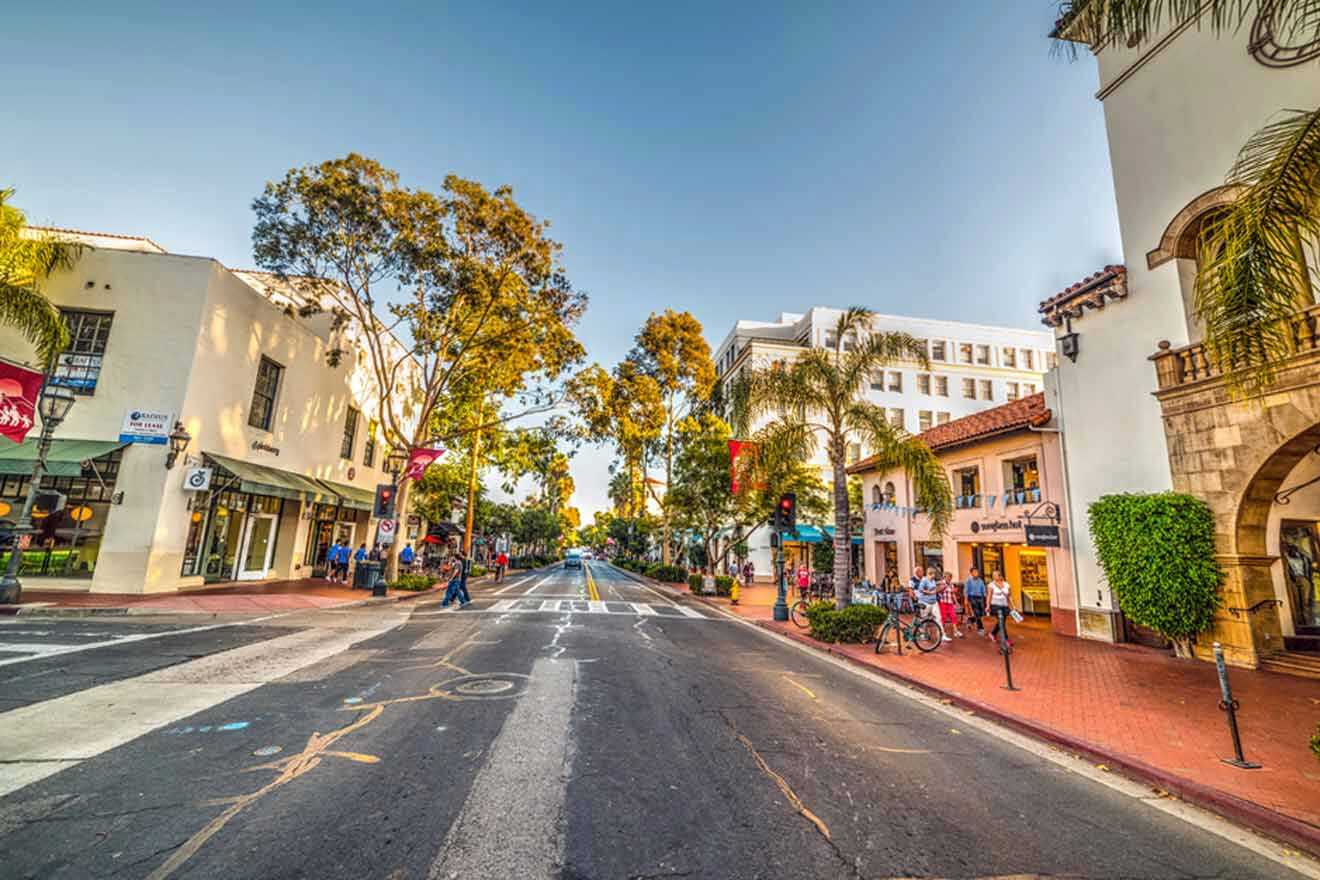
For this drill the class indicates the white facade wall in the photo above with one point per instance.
(187, 337)
(759, 343)
(1176, 113)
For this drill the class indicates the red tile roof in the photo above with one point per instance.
(1090, 281)
(1029, 411)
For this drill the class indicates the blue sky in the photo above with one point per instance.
(732, 159)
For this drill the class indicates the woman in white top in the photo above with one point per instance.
(1001, 601)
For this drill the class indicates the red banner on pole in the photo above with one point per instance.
(19, 388)
(419, 460)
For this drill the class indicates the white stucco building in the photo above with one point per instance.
(973, 367)
(292, 443)
(1179, 105)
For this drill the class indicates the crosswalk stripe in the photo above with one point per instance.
(643, 609)
(690, 613)
(550, 605)
(596, 607)
(503, 605)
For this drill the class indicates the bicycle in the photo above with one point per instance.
(924, 632)
(797, 612)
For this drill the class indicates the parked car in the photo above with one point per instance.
(573, 559)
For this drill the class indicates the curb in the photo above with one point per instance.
(46, 610)
(1285, 829)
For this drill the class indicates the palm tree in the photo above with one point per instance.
(25, 262)
(1253, 274)
(819, 398)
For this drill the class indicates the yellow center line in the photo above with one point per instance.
(806, 690)
(591, 583)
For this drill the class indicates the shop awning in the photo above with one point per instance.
(351, 496)
(811, 535)
(64, 459)
(260, 479)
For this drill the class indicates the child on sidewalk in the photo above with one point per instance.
(948, 599)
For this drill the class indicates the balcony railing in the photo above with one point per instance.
(1191, 363)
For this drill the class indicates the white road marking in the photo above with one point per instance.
(542, 581)
(503, 605)
(642, 608)
(550, 605)
(596, 607)
(44, 738)
(518, 583)
(511, 823)
(690, 612)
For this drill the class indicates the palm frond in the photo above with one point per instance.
(26, 261)
(1102, 22)
(1253, 276)
(880, 349)
(895, 449)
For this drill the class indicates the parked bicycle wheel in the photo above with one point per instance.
(798, 614)
(883, 637)
(926, 634)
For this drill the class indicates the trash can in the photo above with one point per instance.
(367, 575)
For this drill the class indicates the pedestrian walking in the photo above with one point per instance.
(501, 563)
(332, 562)
(927, 595)
(749, 573)
(457, 589)
(974, 595)
(1001, 605)
(803, 580)
(948, 601)
(407, 555)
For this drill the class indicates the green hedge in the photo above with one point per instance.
(413, 582)
(670, 574)
(532, 561)
(723, 584)
(1158, 554)
(856, 623)
(694, 583)
(478, 571)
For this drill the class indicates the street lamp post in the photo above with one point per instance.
(54, 405)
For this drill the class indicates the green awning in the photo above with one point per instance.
(352, 497)
(259, 479)
(64, 459)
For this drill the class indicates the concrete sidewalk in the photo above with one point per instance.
(243, 598)
(1132, 709)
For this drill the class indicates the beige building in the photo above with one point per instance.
(1006, 469)
(287, 445)
(1179, 106)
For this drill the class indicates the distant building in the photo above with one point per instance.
(291, 444)
(973, 367)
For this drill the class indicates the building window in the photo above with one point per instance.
(831, 339)
(854, 453)
(967, 482)
(987, 390)
(969, 389)
(983, 354)
(878, 380)
(1028, 389)
(1010, 357)
(1010, 391)
(78, 367)
(890, 494)
(938, 351)
(1022, 481)
(942, 386)
(877, 497)
(350, 434)
(369, 450)
(965, 353)
(262, 412)
(1051, 360)
(941, 418)
(896, 419)
(896, 381)
(924, 420)
(923, 383)
(1028, 359)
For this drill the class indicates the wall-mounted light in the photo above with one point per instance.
(179, 440)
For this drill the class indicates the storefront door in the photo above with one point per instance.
(258, 546)
(1301, 559)
(886, 560)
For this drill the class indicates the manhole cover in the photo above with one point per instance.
(482, 687)
(267, 751)
(489, 686)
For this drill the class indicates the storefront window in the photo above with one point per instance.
(68, 541)
(1035, 581)
(929, 555)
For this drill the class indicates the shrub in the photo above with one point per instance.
(670, 574)
(1158, 554)
(413, 582)
(723, 584)
(694, 583)
(478, 571)
(856, 623)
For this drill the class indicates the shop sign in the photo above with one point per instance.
(1042, 536)
(259, 446)
(996, 525)
(197, 479)
(884, 531)
(144, 426)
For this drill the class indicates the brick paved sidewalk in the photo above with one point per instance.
(1152, 710)
(287, 595)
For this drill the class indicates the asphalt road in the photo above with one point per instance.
(558, 727)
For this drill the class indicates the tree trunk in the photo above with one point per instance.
(401, 511)
(842, 538)
(472, 485)
(669, 466)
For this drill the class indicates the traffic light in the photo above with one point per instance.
(786, 513)
(384, 507)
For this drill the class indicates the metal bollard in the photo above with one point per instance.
(1007, 651)
(1230, 705)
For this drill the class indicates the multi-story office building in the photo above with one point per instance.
(290, 443)
(973, 367)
